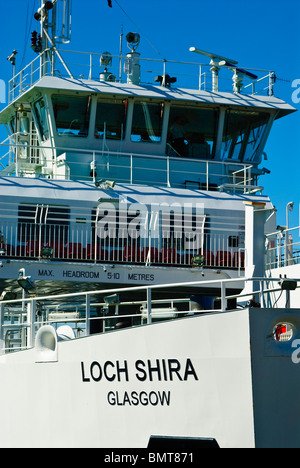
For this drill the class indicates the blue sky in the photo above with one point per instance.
(258, 34)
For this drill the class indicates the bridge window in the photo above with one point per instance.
(243, 132)
(111, 119)
(147, 122)
(192, 132)
(41, 117)
(72, 115)
(12, 124)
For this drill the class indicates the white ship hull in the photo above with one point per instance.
(210, 376)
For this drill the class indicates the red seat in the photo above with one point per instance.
(33, 248)
(239, 259)
(154, 254)
(74, 250)
(224, 258)
(91, 250)
(170, 256)
(132, 254)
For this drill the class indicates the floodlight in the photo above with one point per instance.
(106, 60)
(12, 57)
(98, 183)
(133, 40)
(46, 251)
(8, 295)
(112, 300)
(48, 6)
(45, 7)
(105, 184)
(26, 282)
(288, 284)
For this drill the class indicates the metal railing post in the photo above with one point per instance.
(261, 294)
(1, 324)
(87, 314)
(94, 167)
(31, 312)
(207, 175)
(91, 66)
(223, 297)
(149, 306)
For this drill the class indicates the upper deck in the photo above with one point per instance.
(134, 133)
(126, 119)
(86, 66)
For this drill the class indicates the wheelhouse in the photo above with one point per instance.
(134, 136)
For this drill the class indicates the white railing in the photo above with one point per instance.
(108, 241)
(132, 168)
(101, 311)
(283, 248)
(82, 65)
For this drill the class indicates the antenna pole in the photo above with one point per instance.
(44, 40)
(237, 82)
(121, 53)
(215, 75)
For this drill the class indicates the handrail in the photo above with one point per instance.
(29, 238)
(282, 249)
(28, 76)
(28, 317)
(208, 169)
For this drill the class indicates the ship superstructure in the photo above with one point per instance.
(105, 170)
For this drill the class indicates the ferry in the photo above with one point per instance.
(140, 270)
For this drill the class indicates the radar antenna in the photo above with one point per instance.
(215, 67)
(218, 61)
(238, 75)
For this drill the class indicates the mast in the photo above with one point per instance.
(55, 28)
